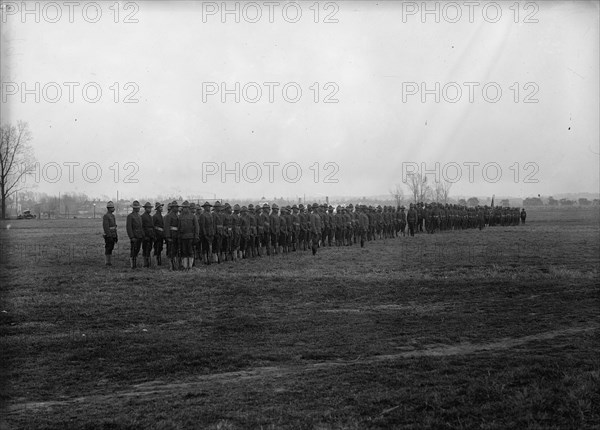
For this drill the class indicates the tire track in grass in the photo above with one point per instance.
(200, 382)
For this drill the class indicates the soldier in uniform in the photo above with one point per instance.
(412, 218)
(315, 228)
(148, 228)
(188, 230)
(159, 237)
(109, 225)
(135, 232)
(171, 224)
(265, 221)
(303, 217)
(274, 227)
(219, 232)
(402, 216)
(295, 218)
(207, 232)
(237, 232)
(244, 226)
(523, 216)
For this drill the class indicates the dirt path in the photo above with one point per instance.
(200, 382)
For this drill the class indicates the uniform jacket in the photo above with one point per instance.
(109, 225)
(134, 226)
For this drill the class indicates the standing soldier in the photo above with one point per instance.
(295, 228)
(159, 237)
(315, 228)
(219, 232)
(148, 228)
(109, 225)
(188, 230)
(363, 222)
(303, 238)
(402, 216)
(265, 221)
(207, 232)
(135, 232)
(227, 230)
(237, 232)
(412, 218)
(274, 227)
(523, 216)
(171, 224)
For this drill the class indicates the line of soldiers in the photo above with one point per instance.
(220, 232)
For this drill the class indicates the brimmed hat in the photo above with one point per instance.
(206, 204)
(315, 206)
(185, 204)
(110, 204)
(174, 204)
(266, 206)
(147, 205)
(243, 209)
(135, 204)
(217, 205)
(236, 207)
(158, 205)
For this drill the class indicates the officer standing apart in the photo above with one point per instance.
(148, 227)
(109, 225)
(159, 238)
(135, 232)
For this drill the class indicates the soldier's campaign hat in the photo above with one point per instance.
(330, 208)
(193, 206)
(110, 204)
(350, 206)
(236, 208)
(135, 204)
(158, 205)
(251, 207)
(185, 204)
(294, 206)
(217, 205)
(275, 207)
(315, 206)
(147, 205)
(227, 205)
(243, 209)
(174, 204)
(206, 204)
(300, 206)
(266, 206)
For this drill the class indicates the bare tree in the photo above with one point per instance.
(16, 160)
(398, 194)
(418, 186)
(442, 191)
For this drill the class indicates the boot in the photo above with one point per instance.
(172, 260)
(158, 260)
(146, 262)
(132, 262)
(107, 260)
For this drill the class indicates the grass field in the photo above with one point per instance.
(468, 329)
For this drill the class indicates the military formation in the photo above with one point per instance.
(214, 233)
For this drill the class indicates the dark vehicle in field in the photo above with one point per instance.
(26, 215)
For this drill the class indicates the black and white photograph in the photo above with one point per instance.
(351, 214)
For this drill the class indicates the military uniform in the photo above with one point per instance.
(159, 228)
(149, 236)
(109, 226)
(135, 233)
(315, 228)
(171, 225)
(207, 232)
(189, 231)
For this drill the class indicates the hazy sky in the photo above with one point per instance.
(374, 61)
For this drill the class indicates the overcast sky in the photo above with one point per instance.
(372, 59)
